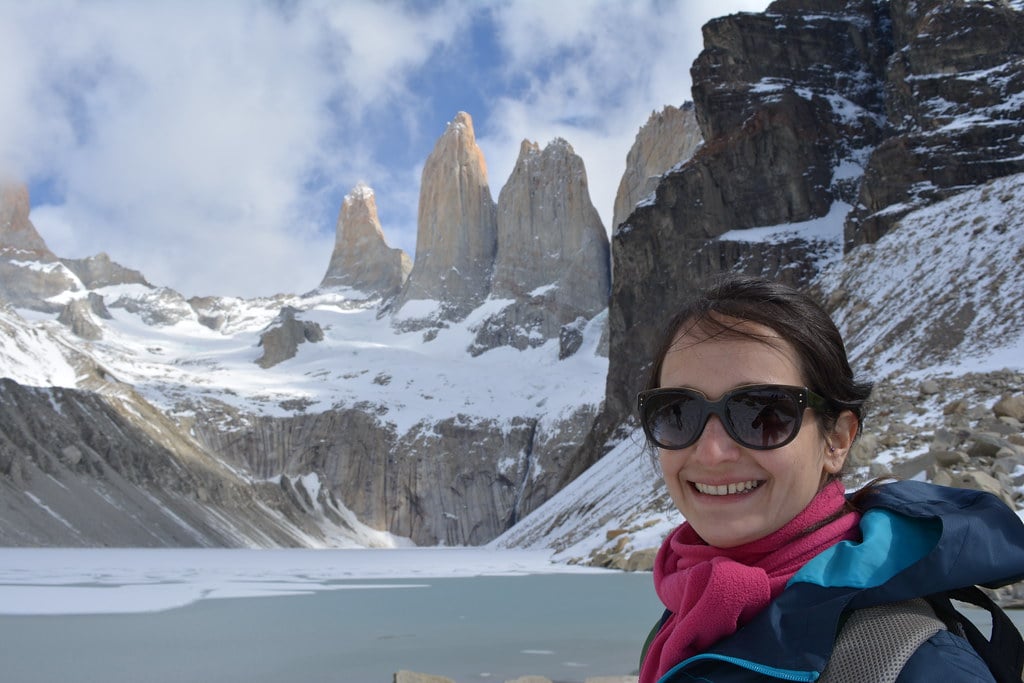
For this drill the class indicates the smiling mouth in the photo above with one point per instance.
(726, 489)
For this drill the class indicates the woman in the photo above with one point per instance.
(752, 408)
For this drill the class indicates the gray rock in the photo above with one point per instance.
(361, 258)
(641, 560)
(414, 677)
(669, 137)
(985, 445)
(1011, 406)
(949, 458)
(552, 255)
(99, 271)
(877, 469)
(864, 450)
(456, 234)
(981, 481)
(493, 473)
(922, 161)
(281, 340)
(77, 315)
(908, 469)
(570, 338)
(111, 470)
(944, 440)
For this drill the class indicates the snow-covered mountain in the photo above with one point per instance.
(153, 344)
(936, 392)
(444, 411)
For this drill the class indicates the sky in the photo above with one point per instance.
(210, 145)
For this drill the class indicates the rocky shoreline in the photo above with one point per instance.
(414, 677)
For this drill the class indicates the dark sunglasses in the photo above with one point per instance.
(760, 417)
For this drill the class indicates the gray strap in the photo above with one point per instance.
(876, 642)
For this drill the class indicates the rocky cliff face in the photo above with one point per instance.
(459, 481)
(79, 315)
(280, 341)
(669, 137)
(801, 108)
(362, 259)
(99, 271)
(30, 274)
(951, 63)
(29, 271)
(16, 230)
(552, 250)
(104, 479)
(456, 227)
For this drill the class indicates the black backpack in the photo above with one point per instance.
(875, 643)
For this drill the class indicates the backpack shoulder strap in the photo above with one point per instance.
(876, 642)
(1003, 652)
(650, 636)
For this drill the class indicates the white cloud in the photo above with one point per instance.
(599, 69)
(209, 144)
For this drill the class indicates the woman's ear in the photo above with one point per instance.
(840, 440)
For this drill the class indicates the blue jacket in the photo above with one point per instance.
(918, 539)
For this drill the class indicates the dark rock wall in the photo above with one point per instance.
(954, 96)
(460, 481)
(785, 100)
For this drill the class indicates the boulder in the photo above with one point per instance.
(414, 677)
(1010, 405)
(981, 481)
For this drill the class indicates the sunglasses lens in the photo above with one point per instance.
(674, 420)
(763, 418)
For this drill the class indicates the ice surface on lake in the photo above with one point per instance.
(94, 581)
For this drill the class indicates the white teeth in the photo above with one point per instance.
(726, 489)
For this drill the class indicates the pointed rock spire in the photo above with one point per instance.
(553, 255)
(362, 259)
(16, 230)
(549, 232)
(669, 137)
(456, 228)
(22, 282)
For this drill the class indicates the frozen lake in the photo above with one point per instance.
(347, 616)
(301, 615)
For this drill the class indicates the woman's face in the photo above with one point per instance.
(783, 480)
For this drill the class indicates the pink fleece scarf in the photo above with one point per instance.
(712, 592)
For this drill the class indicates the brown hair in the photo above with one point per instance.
(731, 299)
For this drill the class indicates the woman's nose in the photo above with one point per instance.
(714, 444)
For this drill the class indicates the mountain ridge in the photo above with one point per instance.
(451, 419)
